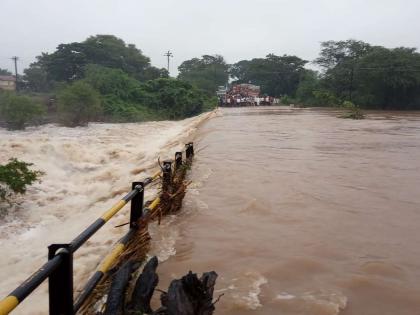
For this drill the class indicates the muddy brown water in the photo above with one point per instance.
(301, 212)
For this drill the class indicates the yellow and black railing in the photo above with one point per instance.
(59, 267)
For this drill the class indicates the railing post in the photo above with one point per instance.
(61, 281)
(192, 148)
(166, 176)
(189, 150)
(136, 204)
(178, 160)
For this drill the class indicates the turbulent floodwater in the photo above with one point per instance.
(301, 212)
(86, 171)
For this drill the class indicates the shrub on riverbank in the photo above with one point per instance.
(353, 111)
(79, 104)
(17, 111)
(15, 177)
(126, 99)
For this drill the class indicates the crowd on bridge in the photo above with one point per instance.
(244, 94)
(239, 100)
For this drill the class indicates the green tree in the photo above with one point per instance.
(276, 75)
(113, 52)
(309, 83)
(36, 77)
(339, 60)
(353, 111)
(15, 177)
(373, 76)
(174, 98)
(78, 104)
(17, 110)
(123, 97)
(126, 99)
(206, 73)
(388, 79)
(326, 98)
(334, 53)
(68, 62)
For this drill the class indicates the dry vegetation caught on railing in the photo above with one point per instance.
(125, 289)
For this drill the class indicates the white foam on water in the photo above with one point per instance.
(87, 170)
(164, 237)
(285, 296)
(245, 290)
(320, 302)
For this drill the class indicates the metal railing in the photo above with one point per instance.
(59, 267)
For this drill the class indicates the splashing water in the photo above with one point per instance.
(86, 171)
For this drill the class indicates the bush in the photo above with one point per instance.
(17, 110)
(354, 112)
(326, 98)
(210, 103)
(15, 176)
(78, 104)
(287, 100)
(126, 99)
(173, 99)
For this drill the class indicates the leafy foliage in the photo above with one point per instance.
(105, 78)
(337, 53)
(308, 89)
(276, 75)
(79, 104)
(354, 111)
(374, 76)
(206, 73)
(36, 78)
(126, 99)
(326, 98)
(68, 62)
(18, 110)
(175, 98)
(15, 176)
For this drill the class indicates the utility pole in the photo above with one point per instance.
(15, 59)
(351, 84)
(169, 55)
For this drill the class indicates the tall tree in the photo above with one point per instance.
(79, 104)
(338, 60)
(389, 78)
(206, 73)
(277, 75)
(334, 53)
(69, 61)
(36, 77)
(372, 76)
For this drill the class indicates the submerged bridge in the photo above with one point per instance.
(59, 267)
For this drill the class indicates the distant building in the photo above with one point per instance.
(7, 82)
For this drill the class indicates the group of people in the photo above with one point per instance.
(239, 100)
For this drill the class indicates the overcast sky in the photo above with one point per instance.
(236, 29)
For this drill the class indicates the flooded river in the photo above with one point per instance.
(87, 170)
(300, 212)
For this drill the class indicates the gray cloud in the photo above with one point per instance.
(235, 29)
